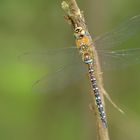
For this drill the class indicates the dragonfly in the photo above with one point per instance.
(106, 47)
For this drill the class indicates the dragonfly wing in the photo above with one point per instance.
(52, 59)
(113, 60)
(65, 65)
(61, 79)
(119, 35)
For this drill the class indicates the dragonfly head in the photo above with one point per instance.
(79, 32)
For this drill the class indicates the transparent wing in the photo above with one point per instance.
(61, 79)
(65, 65)
(113, 60)
(52, 59)
(119, 35)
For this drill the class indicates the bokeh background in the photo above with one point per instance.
(27, 25)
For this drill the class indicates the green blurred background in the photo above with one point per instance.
(26, 25)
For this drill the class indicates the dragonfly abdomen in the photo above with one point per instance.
(97, 94)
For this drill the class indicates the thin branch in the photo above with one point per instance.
(73, 14)
(75, 17)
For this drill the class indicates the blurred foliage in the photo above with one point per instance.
(32, 25)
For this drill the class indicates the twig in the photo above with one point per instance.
(75, 17)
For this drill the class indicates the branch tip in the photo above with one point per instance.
(65, 6)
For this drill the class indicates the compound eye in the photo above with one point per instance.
(78, 29)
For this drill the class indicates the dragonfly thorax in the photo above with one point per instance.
(82, 37)
(83, 44)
